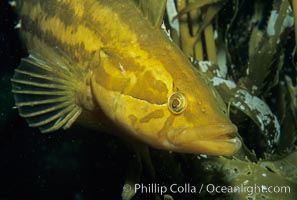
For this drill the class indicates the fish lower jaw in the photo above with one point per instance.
(220, 140)
(225, 145)
(190, 134)
(220, 146)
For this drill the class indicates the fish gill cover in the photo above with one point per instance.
(247, 50)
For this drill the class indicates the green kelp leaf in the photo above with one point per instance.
(252, 106)
(249, 180)
(260, 113)
(190, 21)
(285, 166)
(287, 110)
(196, 5)
(236, 27)
(206, 15)
(265, 54)
(293, 95)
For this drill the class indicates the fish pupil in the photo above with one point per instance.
(175, 103)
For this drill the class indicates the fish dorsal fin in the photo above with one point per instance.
(153, 10)
(44, 89)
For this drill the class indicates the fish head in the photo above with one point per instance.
(198, 124)
(172, 108)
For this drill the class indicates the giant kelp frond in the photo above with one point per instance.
(294, 4)
(248, 177)
(287, 112)
(192, 6)
(265, 53)
(195, 18)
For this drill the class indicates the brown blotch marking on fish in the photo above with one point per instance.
(153, 115)
(151, 90)
(108, 82)
(130, 64)
(70, 33)
(71, 11)
(76, 50)
(167, 125)
(108, 74)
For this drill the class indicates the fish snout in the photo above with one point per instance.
(211, 140)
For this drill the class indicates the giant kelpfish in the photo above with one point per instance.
(108, 65)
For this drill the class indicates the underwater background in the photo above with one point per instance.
(255, 49)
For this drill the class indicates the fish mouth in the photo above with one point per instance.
(211, 140)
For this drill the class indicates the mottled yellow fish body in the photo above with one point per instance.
(121, 72)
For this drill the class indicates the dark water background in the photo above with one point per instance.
(76, 164)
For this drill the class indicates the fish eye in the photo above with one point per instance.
(177, 103)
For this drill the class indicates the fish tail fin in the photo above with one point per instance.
(44, 87)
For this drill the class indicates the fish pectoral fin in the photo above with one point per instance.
(153, 10)
(44, 87)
